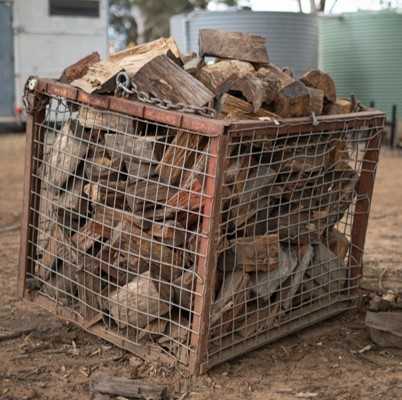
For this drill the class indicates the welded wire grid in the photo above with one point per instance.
(284, 246)
(120, 211)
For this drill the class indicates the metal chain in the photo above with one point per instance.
(126, 87)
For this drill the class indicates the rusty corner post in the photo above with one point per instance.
(362, 208)
(207, 259)
(35, 107)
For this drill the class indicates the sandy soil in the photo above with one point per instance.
(55, 360)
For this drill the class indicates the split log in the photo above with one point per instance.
(89, 286)
(139, 302)
(67, 152)
(255, 90)
(153, 330)
(286, 297)
(62, 283)
(72, 203)
(229, 107)
(260, 253)
(258, 319)
(339, 106)
(161, 77)
(93, 118)
(254, 197)
(101, 167)
(184, 289)
(194, 65)
(233, 45)
(327, 269)
(135, 389)
(385, 328)
(230, 303)
(169, 232)
(147, 194)
(338, 243)
(316, 101)
(107, 193)
(214, 75)
(89, 234)
(236, 173)
(100, 78)
(158, 46)
(53, 241)
(177, 337)
(180, 157)
(271, 73)
(266, 283)
(80, 68)
(322, 81)
(292, 101)
(186, 57)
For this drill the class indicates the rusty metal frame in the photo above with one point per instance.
(35, 113)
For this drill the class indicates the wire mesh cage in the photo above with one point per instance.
(189, 239)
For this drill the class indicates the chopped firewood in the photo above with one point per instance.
(139, 302)
(254, 196)
(266, 283)
(229, 107)
(161, 77)
(111, 193)
(327, 269)
(320, 80)
(255, 90)
(236, 172)
(234, 45)
(134, 389)
(72, 203)
(80, 68)
(272, 73)
(258, 319)
(153, 330)
(101, 167)
(194, 65)
(188, 197)
(159, 46)
(184, 289)
(214, 75)
(230, 302)
(88, 235)
(54, 236)
(99, 78)
(180, 157)
(188, 56)
(169, 232)
(93, 118)
(89, 285)
(339, 106)
(260, 253)
(66, 153)
(338, 244)
(293, 101)
(316, 101)
(306, 253)
(62, 283)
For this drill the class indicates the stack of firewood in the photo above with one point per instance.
(122, 199)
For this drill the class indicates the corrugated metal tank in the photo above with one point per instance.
(363, 53)
(292, 38)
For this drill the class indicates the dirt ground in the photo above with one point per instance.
(51, 359)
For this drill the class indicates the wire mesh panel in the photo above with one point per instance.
(285, 255)
(172, 238)
(120, 211)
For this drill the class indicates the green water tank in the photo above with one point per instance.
(362, 52)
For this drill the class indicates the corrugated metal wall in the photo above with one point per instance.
(45, 45)
(363, 53)
(6, 61)
(292, 37)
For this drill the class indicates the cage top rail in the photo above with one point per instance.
(206, 126)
